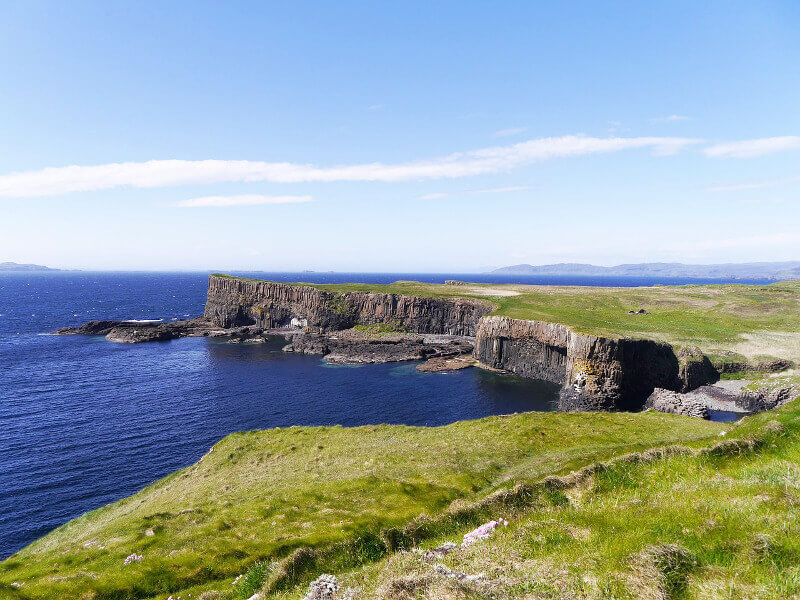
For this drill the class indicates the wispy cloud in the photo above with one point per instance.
(509, 132)
(162, 173)
(241, 200)
(753, 148)
(670, 119)
(753, 185)
(497, 190)
(376, 107)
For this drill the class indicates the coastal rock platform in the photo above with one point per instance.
(353, 347)
(146, 331)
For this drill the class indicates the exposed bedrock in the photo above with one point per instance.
(354, 349)
(134, 332)
(236, 302)
(667, 401)
(768, 398)
(598, 373)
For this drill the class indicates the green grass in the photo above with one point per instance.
(719, 524)
(259, 496)
(381, 329)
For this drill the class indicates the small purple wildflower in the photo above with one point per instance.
(133, 558)
(483, 532)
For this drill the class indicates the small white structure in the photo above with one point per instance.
(298, 322)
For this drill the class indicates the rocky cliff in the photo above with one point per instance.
(597, 372)
(235, 302)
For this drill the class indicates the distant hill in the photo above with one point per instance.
(12, 266)
(756, 270)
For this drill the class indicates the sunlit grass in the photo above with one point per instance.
(258, 496)
(713, 525)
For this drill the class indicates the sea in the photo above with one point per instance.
(85, 422)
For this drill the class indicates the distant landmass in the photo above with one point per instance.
(12, 266)
(755, 270)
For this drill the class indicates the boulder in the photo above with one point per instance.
(667, 401)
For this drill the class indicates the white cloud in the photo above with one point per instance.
(241, 200)
(753, 148)
(509, 132)
(434, 196)
(670, 119)
(161, 173)
(374, 107)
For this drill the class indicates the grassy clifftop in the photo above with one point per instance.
(716, 314)
(258, 496)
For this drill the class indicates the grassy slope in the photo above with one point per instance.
(258, 495)
(732, 516)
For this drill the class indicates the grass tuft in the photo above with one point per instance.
(252, 580)
(661, 572)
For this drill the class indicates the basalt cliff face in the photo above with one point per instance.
(237, 302)
(597, 372)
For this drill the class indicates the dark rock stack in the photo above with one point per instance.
(695, 369)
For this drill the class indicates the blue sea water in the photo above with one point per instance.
(84, 421)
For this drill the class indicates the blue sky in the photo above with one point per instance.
(414, 136)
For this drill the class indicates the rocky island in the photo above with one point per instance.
(610, 348)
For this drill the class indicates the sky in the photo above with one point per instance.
(398, 137)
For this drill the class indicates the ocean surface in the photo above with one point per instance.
(84, 421)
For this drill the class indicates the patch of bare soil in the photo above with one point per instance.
(785, 344)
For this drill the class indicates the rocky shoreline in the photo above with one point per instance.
(339, 347)
(353, 347)
(132, 332)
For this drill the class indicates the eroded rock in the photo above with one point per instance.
(667, 401)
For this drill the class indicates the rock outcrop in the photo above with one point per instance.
(352, 348)
(234, 302)
(667, 401)
(598, 373)
(137, 331)
(767, 398)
